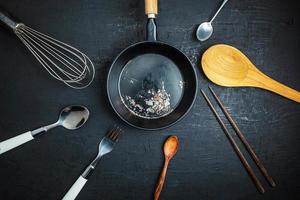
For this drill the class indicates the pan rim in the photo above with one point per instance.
(165, 126)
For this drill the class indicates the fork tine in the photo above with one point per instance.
(112, 135)
(116, 137)
(110, 132)
(117, 134)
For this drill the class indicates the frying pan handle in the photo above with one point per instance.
(8, 21)
(151, 8)
(151, 30)
(151, 12)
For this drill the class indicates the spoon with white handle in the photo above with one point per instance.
(71, 117)
(205, 29)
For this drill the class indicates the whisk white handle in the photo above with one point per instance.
(15, 142)
(75, 189)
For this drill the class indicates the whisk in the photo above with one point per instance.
(62, 61)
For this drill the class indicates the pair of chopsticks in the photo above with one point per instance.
(244, 141)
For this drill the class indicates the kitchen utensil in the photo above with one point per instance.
(62, 61)
(244, 140)
(170, 148)
(106, 145)
(235, 147)
(227, 66)
(205, 29)
(151, 85)
(71, 117)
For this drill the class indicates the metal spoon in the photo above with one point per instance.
(205, 29)
(170, 149)
(71, 117)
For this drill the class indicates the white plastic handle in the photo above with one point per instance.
(75, 189)
(15, 142)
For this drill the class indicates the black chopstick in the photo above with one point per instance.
(244, 141)
(235, 147)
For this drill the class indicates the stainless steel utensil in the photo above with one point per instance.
(62, 61)
(71, 117)
(205, 29)
(106, 145)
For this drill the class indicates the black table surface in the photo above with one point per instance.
(206, 167)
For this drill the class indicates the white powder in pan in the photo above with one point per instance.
(149, 104)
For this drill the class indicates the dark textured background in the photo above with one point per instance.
(206, 166)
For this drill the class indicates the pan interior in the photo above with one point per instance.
(150, 85)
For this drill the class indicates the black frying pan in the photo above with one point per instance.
(151, 85)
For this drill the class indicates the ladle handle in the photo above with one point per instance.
(15, 142)
(161, 180)
(279, 88)
(151, 7)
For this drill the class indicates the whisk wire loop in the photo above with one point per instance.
(62, 61)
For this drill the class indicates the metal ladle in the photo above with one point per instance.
(205, 29)
(71, 117)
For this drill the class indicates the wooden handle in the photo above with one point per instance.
(161, 180)
(267, 83)
(151, 7)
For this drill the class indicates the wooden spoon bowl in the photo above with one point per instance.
(170, 149)
(227, 66)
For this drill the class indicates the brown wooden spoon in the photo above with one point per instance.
(227, 66)
(170, 148)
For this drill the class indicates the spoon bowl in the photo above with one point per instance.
(170, 149)
(73, 117)
(204, 31)
(171, 146)
(227, 66)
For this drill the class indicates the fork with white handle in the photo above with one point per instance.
(106, 145)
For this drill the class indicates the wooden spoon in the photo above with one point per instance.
(170, 149)
(227, 66)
